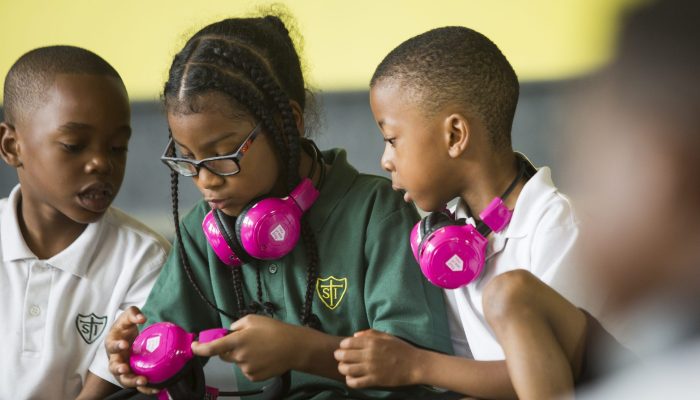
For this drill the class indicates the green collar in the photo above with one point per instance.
(338, 181)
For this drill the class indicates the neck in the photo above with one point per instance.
(46, 232)
(489, 178)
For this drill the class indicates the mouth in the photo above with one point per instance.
(406, 196)
(96, 197)
(218, 203)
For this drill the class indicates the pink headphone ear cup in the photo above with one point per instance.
(160, 352)
(415, 239)
(431, 223)
(239, 224)
(270, 228)
(224, 223)
(452, 253)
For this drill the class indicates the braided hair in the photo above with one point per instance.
(254, 64)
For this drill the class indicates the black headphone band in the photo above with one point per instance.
(526, 170)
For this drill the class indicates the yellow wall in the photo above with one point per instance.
(344, 40)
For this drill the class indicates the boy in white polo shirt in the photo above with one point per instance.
(445, 102)
(69, 263)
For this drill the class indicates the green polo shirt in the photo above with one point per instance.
(368, 277)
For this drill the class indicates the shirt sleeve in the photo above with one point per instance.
(398, 299)
(553, 258)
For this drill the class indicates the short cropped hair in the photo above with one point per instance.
(32, 74)
(457, 65)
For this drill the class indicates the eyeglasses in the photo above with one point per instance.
(221, 165)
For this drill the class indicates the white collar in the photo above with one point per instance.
(535, 191)
(74, 259)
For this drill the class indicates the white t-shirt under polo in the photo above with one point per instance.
(539, 238)
(56, 312)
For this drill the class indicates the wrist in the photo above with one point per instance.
(311, 351)
(427, 364)
(297, 351)
(418, 366)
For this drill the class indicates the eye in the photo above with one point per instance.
(120, 149)
(72, 148)
(390, 141)
(182, 153)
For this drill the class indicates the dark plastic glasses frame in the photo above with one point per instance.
(236, 157)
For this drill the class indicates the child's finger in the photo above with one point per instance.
(352, 370)
(147, 390)
(118, 367)
(116, 346)
(131, 316)
(348, 356)
(352, 343)
(216, 347)
(131, 380)
(361, 382)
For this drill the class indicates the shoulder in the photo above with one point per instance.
(375, 195)
(133, 232)
(558, 211)
(546, 208)
(378, 187)
(367, 198)
(192, 221)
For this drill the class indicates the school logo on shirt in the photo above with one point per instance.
(90, 327)
(331, 290)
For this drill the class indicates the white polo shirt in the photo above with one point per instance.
(56, 312)
(539, 238)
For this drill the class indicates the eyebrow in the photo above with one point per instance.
(75, 127)
(216, 139)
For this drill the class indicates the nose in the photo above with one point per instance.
(206, 179)
(99, 163)
(387, 160)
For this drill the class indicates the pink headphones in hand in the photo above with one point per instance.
(266, 229)
(163, 349)
(451, 253)
(162, 353)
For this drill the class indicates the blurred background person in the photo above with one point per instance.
(635, 153)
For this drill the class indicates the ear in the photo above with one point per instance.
(457, 134)
(298, 116)
(9, 145)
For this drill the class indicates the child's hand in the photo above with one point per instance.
(371, 358)
(261, 346)
(118, 344)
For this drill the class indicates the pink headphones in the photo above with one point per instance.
(451, 253)
(163, 349)
(162, 353)
(266, 229)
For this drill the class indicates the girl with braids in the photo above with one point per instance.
(238, 84)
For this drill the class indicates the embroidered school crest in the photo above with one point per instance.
(90, 327)
(331, 290)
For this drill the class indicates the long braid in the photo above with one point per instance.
(181, 248)
(308, 237)
(307, 316)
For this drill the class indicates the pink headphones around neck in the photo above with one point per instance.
(266, 229)
(451, 253)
